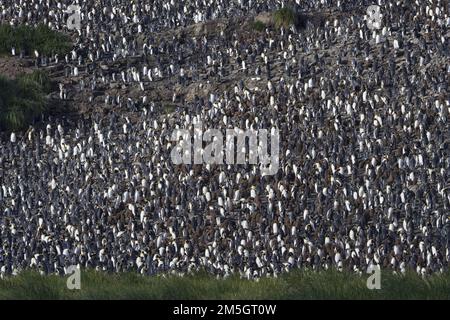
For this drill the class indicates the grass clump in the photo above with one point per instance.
(27, 39)
(41, 78)
(169, 108)
(23, 99)
(285, 17)
(258, 26)
(298, 284)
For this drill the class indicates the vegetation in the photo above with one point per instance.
(26, 38)
(259, 26)
(285, 18)
(169, 108)
(295, 285)
(23, 99)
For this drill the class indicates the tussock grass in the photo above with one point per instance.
(23, 99)
(169, 108)
(295, 285)
(27, 38)
(285, 18)
(258, 26)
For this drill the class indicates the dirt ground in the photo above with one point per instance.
(11, 67)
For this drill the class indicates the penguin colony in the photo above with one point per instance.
(363, 116)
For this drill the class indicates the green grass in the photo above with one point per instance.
(169, 108)
(23, 99)
(295, 285)
(285, 18)
(27, 38)
(41, 78)
(258, 26)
